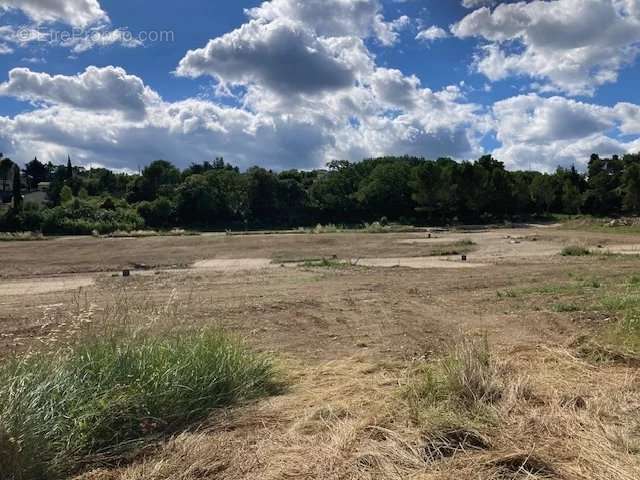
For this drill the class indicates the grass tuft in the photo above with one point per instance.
(575, 251)
(91, 404)
(465, 381)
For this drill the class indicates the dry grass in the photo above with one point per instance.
(355, 340)
(557, 418)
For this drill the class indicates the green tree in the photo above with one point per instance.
(543, 192)
(69, 171)
(571, 198)
(160, 178)
(333, 194)
(159, 213)
(262, 196)
(631, 188)
(6, 167)
(66, 195)
(35, 173)
(604, 177)
(17, 188)
(385, 191)
(198, 202)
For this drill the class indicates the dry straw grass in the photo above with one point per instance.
(556, 417)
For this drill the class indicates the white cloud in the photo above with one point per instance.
(311, 92)
(101, 36)
(307, 60)
(334, 18)
(78, 13)
(573, 46)
(478, 3)
(629, 115)
(282, 55)
(432, 33)
(96, 89)
(546, 132)
(78, 114)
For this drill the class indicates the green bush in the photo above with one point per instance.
(575, 251)
(81, 217)
(96, 401)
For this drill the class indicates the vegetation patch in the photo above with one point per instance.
(457, 248)
(21, 237)
(575, 251)
(565, 307)
(326, 263)
(92, 404)
(619, 341)
(460, 389)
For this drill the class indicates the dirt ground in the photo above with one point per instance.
(348, 333)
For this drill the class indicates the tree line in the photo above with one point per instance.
(216, 195)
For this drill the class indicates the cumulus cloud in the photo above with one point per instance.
(334, 18)
(629, 115)
(546, 132)
(308, 60)
(312, 92)
(282, 55)
(572, 46)
(432, 33)
(78, 13)
(96, 89)
(296, 47)
(392, 115)
(182, 132)
(478, 3)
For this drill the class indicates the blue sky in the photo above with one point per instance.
(296, 83)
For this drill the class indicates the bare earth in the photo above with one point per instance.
(348, 337)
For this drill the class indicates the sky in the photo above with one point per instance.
(297, 83)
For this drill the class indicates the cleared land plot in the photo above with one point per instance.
(356, 341)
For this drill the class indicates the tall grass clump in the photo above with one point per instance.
(465, 383)
(575, 251)
(93, 403)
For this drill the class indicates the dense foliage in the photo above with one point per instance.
(216, 195)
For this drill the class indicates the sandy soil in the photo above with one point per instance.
(234, 264)
(417, 262)
(620, 249)
(45, 285)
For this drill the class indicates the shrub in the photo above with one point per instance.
(83, 217)
(575, 251)
(96, 401)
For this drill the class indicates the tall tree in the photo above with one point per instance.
(35, 173)
(69, 168)
(17, 188)
(6, 166)
(543, 192)
(631, 188)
